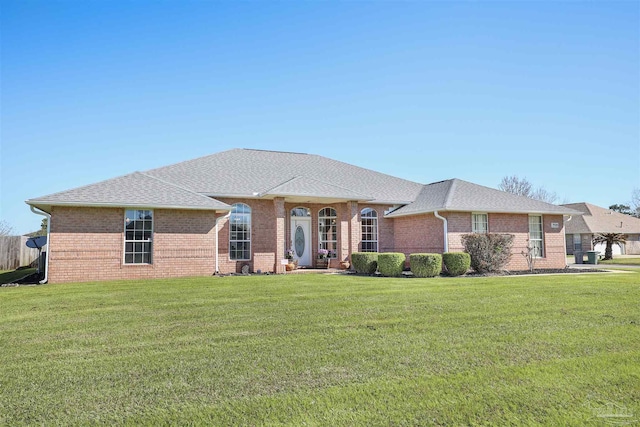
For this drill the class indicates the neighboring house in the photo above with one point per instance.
(242, 207)
(581, 230)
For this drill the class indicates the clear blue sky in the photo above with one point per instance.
(426, 91)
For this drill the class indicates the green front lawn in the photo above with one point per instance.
(321, 350)
(621, 261)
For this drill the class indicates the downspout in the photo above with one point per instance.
(46, 262)
(217, 221)
(445, 229)
(565, 237)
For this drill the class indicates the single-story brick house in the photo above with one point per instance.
(582, 229)
(248, 207)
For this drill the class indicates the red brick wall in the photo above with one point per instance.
(518, 225)
(87, 244)
(417, 233)
(424, 233)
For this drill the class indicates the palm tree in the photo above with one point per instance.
(609, 239)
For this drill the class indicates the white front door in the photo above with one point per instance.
(301, 240)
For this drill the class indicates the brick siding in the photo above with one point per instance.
(87, 243)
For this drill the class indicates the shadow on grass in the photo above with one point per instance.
(13, 276)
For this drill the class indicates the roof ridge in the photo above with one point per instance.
(179, 186)
(450, 192)
(274, 151)
(262, 193)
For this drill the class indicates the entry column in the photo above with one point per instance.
(278, 206)
(354, 226)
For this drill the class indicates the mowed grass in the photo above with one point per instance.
(622, 261)
(321, 350)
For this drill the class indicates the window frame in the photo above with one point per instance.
(148, 241)
(541, 239)
(577, 246)
(474, 230)
(245, 215)
(373, 232)
(324, 243)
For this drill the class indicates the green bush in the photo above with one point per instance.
(489, 253)
(391, 264)
(425, 265)
(456, 263)
(364, 262)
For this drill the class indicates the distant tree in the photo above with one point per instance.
(5, 228)
(623, 209)
(635, 202)
(609, 239)
(514, 185)
(43, 228)
(522, 187)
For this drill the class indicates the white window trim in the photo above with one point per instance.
(250, 232)
(542, 255)
(320, 241)
(362, 231)
(150, 240)
(473, 223)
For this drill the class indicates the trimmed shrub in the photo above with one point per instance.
(456, 263)
(364, 262)
(391, 264)
(489, 252)
(425, 265)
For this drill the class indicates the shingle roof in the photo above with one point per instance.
(133, 190)
(245, 173)
(459, 195)
(301, 186)
(600, 220)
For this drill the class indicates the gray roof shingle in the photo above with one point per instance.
(244, 172)
(459, 195)
(134, 190)
(304, 186)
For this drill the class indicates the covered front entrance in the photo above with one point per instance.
(301, 236)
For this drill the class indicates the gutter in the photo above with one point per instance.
(445, 228)
(46, 267)
(217, 221)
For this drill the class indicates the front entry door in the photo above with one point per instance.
(301, 240)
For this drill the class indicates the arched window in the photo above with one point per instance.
(369, 220)
(240, 232)
(328, 231)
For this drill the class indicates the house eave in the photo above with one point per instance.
(494, 211)
(47, 205)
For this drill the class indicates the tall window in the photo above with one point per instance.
(577, 242)
(240, 232)
(138, 236)
(479, 223)
(535, 234)
(328, 231)
(369, 220)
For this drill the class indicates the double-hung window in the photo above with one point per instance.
(369, 221)
(479, 223)
(240, 232)
(138, 236)
(536, 235)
